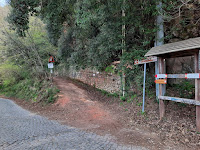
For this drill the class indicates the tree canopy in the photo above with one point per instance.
(89, 33)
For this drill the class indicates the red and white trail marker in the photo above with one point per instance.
(179, 76)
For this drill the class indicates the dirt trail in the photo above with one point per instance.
(83, 112)
(95, 116)
(81, 106)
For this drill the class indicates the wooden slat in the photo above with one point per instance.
(175, 76)
(190, 52)
(181, 100)
(158, 76)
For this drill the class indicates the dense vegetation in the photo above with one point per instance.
(88, 34)
(23, 70)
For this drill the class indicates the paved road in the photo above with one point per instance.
(23, 130)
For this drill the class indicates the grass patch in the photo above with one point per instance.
(35, 90)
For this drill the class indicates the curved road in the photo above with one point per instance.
(23, 130)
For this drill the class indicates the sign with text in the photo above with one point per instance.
(148, 60)
(50, 65)
(161, 81)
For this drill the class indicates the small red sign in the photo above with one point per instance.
(51, 59)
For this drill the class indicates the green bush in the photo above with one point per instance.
(123, 98)
(110, 69)
(32, 89)
(185, 89)
(9, 73)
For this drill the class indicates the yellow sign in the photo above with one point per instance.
(161, 81)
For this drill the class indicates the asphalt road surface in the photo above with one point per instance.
(23, 130)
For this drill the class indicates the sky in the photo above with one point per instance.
(2, 3)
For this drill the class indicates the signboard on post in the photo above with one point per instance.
(50, 65)
(161, 81)
(148, 60)
(145, 61)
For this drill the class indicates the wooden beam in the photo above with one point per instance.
(161, 87)
(197, 90)
(158, 76)
(183, 53)
(176, 76)
(181, 100)
(180, 76)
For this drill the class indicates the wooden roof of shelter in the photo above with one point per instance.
(176, 49)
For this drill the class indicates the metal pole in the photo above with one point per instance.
(51, 76)
(144, 87)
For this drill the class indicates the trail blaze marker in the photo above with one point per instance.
(161, 81)
(51, 59)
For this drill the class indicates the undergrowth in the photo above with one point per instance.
(31, 89)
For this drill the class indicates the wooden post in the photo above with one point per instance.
(161, 87)
(197, 90)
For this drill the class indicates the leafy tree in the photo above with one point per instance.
(89, 33)
(31, 52)
(23, 66)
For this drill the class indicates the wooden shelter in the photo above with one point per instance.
(190, 47)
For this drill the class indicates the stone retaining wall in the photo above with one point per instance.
(102, 80)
